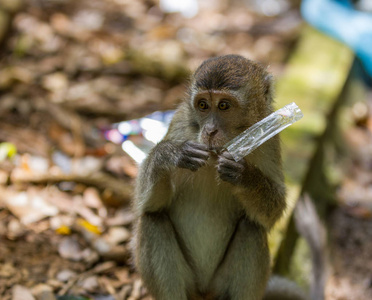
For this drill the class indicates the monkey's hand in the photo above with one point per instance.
(252, 183)
(192, 156)
(230, 170)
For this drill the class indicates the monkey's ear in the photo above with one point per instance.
(269, 87)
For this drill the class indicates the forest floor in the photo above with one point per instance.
(69, 72)
(350, 223)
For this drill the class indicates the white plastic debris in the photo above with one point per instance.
(263, 130)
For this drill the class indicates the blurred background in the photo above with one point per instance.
(88, 87)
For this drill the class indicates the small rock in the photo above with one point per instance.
(91, 198)
(55, 81)
(89, 19)
(123, 217)
(20, 292)
(90, 256)
(86, 165)
(101, 245)
(7, 270)
(15, 229)
(69, 248)
(90, 284)
(65, 275)
(117, 235)
(43, 292)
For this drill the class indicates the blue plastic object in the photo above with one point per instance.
(339, 19)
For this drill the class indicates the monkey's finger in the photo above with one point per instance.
(197, 146)
(229, 170)
(200, 149)
(197, 162)
(231, 178)
(224, 163)
(196, 152)
(228, 156)
(192, 164)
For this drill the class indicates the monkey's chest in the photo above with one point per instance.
(204, 213)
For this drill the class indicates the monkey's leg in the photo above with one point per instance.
(245, 269)
(160, 260)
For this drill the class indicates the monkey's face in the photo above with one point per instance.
(220, 117)
(228, 94)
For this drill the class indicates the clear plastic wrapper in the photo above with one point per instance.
(263, 130)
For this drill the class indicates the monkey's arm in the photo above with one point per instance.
(268, 200)
(154, 188)
(258, 184)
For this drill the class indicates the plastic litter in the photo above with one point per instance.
(138, 136)
(263, 130)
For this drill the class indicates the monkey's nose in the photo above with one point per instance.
(211, 130)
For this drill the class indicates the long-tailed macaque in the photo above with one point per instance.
(202, 218)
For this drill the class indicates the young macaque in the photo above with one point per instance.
(203, 218)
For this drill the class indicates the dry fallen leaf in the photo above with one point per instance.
(29, 206)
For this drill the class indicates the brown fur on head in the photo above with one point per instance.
(228, 94)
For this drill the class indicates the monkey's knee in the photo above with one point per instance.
(250, 240)
(246, 266)
(154, 219)
(160, 260)
(146, 232)
(154, 237)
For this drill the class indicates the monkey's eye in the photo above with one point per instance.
(223, 105)
(203, 105)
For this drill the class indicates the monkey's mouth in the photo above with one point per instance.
(216, 151)
(215, 145)
(214, 148)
